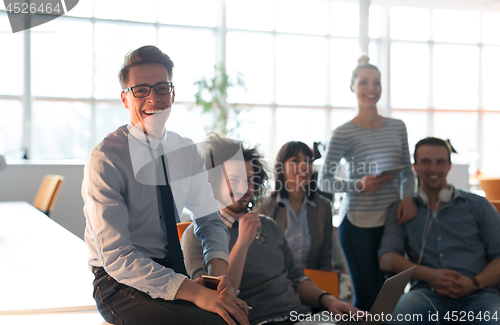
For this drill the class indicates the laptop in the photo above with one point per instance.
(385, 303)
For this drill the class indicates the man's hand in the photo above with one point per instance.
(437, 278)
(337, 306)
(373, 183)
(226, 291)
(247, 228)
(455, 286)
(209, 300)
(450, 283)
(407, 210)
(224, 288)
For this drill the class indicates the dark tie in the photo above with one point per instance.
(168, 217)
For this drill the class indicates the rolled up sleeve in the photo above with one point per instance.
(208, 224)
(394, 239)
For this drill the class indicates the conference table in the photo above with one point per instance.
(44, 274)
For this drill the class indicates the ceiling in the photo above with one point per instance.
(478, 5)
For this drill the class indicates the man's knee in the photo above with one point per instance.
(415, 307)
(482, 309)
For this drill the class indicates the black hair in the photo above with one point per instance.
(221, 149)
(291, 149)
(432, 141)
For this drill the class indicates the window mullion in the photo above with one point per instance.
(221, 33)
(363, 37)
(27, 96)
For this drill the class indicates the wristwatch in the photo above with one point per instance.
(477, 286)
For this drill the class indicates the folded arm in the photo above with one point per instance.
(459, 285)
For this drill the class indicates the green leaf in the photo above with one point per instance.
(212, 93)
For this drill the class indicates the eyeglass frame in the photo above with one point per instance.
(149, 90)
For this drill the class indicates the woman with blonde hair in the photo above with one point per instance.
(370, 143)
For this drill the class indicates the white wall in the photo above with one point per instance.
(21, 179)
(20, 182)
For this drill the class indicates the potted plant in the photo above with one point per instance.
(212, 96)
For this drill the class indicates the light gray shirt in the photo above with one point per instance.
(123, 229)
(297, 231)
(368, 152)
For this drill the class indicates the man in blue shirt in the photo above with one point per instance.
(454, 239)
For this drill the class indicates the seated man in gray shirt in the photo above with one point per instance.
(261, 265)
(455, 241)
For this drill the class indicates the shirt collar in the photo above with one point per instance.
(281, 201)
(141, 137)
(458, 193)
(142, 153)
(228, 219)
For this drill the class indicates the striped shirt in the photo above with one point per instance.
(367, 152)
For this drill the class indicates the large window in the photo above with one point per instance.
(439, 68)
(11, 89)
(444, 68)
(71, 99)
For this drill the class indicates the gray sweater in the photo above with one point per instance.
(269, 275)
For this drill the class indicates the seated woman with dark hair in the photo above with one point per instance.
(304, 217)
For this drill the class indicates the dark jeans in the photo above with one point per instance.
(124, 305)
(360, 247)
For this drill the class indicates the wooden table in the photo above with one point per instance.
(43, 266)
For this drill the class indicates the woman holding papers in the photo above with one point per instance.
(371, 144)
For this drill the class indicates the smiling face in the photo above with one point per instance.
(432, 164)
(242, 189)
(367, 87)
(297, 171)
(149, 113)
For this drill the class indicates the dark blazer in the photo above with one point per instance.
(320, 228)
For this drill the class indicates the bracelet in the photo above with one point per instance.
(476, 286)
(321, 296)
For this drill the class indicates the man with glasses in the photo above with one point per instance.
(136, 184)
(261, 264)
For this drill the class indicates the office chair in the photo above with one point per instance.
(48, 191)
(181, 227)
(491, 187)
(325, 280)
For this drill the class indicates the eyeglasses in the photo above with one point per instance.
(260, 238)
(161, 88)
